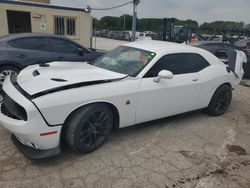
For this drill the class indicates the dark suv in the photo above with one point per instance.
(21, 50)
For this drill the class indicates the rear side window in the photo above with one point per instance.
(32, 43)
(183, 63)
(60, 45)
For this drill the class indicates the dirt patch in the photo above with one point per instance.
(219, 172)
(182, 181)
(236, 149)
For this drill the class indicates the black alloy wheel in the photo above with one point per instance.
(220, 101)
(89, 127)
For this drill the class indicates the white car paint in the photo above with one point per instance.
(136, 99)
(72, 72)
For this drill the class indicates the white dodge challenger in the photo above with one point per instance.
(80, 103)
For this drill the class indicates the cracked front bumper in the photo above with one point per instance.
(29, 134)
(35, 154)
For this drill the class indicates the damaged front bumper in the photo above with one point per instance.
(31, 135)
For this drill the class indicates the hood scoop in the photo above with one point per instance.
(58, 80)
(36, 73)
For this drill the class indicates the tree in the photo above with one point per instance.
(125, 20)
(156, 24)
(109, 22)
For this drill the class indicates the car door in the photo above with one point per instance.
(64, 50)
(29, 50)
(170, 96)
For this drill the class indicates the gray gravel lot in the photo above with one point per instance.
(190, 150)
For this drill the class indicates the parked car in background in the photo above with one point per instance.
(244, 44)
(80, 103)
(224, 52)
(126, 35)
(21, 50)
(147, 36)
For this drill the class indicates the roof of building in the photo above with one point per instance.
(43, 5)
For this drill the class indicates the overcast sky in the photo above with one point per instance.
(200, 10)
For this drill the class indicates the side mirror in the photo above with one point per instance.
(79, 51)
(164, 74)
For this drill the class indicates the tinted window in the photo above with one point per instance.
(60, 45)
(179, 64)
(34, 43)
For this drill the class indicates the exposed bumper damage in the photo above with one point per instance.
(35, 154)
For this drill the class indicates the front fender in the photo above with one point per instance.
(56, 107)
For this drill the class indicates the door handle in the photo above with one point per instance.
(60, 58)
(195, 79)
(21, 56)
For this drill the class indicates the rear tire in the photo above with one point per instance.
(88, 128)
(220, 101)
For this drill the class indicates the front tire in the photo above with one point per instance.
(220, 101)
(88, 128)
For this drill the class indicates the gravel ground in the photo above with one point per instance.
(191, 150)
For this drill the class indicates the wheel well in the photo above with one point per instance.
(116, 115)
(111, 106)
(9, 64)
(227, 83)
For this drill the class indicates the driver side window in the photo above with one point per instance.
(182, 63)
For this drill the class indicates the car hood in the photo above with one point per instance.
(61, 75)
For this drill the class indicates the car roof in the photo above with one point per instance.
(162, 46)
(24, 35)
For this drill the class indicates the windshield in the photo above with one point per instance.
(125, 60)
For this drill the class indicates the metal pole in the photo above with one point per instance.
(124, 22)
(134, 23)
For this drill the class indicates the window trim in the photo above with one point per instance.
(178, 54)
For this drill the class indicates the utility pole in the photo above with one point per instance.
(124, 22)
(135, 3)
